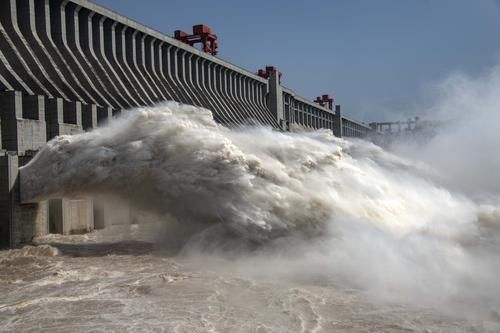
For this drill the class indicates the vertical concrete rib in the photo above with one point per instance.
(245, 111)
(210, 82)
(252, 92)
(8, 76)
(8, 15)
(103, 55)
(162, 68)
(215, 82)
(207, 81)
(143, 57)
(150, 63)
(166, 70)
(233, 93)
(177, 70)
(296, 112)
(259, 103)
(67, 28)
(130, 58)
(306, 116)
(26, 21)
(291, 108)
(248, 112)
(245, 95)
(124, 51)
(113, 52)
(254, 100)
(219, 88)
(225, 81)
(304, 111)
(303, 115)
(171, 61)
(286, 110)
(299, 113)
(184, 73)
(262, 96)
(222, 116)
(194, 83)
(134, 57)
(95, 28)
(41, 10)
(259, 100)
(4, 84)
(14, 63)
(85, 39)
(200, 87)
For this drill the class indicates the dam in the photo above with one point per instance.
(69, 66)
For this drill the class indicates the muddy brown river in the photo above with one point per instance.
(116, 281)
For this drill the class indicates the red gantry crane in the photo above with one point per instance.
(201, 34)
(325, 100)
(265, 73)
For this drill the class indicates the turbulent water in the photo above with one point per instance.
(273, 232)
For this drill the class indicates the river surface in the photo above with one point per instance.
(117, 280)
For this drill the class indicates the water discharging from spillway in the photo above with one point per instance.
(304, 204)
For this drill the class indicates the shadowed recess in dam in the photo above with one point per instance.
(346, 208)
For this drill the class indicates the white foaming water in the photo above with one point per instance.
(323, 207)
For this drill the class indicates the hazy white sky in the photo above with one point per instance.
(378, 58)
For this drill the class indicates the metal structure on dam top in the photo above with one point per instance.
(66, 66)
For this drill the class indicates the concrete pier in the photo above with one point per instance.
(19, 223)
(70, 216)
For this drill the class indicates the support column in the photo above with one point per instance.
(276, 99)
(71, 216)
(337, 123)
(19, 223)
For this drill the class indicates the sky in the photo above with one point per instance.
(379, 59)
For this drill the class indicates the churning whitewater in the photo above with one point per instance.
(307, 203)
(174, 159)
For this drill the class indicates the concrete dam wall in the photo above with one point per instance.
(67, 66)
